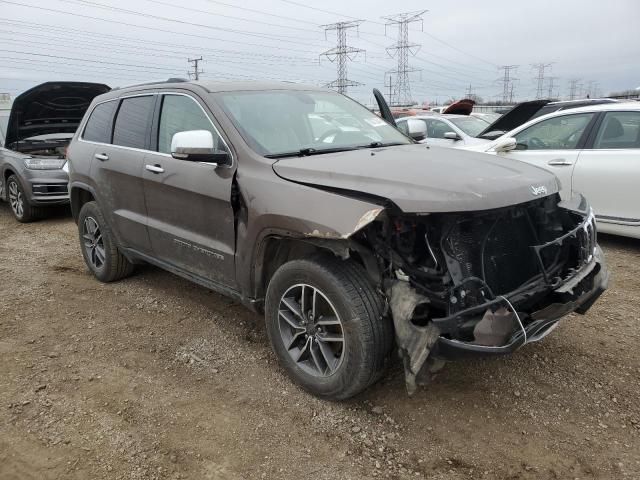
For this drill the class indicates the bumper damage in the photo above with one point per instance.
(497, 292)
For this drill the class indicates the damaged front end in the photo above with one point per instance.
(487, 282)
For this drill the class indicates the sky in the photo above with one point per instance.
(459, 44)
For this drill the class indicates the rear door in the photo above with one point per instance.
(117, 170)
(554, 144)
(190, 218)
(608, 173)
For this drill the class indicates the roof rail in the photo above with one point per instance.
(154, 82)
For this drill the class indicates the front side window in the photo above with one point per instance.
(557, 133)
(286, 122)
(179, 114)
(4, 121)
(437, 128)
(98, 128)
(619, 130)
(133, 122)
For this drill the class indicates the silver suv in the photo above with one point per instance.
(350, 240)
(38, 129)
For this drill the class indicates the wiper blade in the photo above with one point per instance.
(381, 144)
(305, 152)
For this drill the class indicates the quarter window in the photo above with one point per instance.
(179, 114)
(133, 122)
(619, 130)
(98, 128)
(557, 133)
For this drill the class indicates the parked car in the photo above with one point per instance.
(346, 247)
(525, 111)
(445, 130)
(593, 150)
(43, 119)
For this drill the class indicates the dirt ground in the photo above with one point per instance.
(157, 378)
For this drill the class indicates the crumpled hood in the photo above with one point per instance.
(52, 107)
(421, 179)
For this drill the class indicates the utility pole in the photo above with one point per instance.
(389, 85)
(401, 50)
(540, 67)
(573, 88)
(341, 54)
(551, 85)
(195, 74)
(507, 82)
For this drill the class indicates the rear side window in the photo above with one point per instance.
(619, 130)
(133, 122)
(98, 128)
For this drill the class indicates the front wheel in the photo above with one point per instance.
(326, 325)
(22, 210)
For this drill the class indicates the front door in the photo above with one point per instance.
(190, 218)
(553, 144)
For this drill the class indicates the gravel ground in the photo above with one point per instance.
(157, 378)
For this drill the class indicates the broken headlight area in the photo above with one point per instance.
(485, 282)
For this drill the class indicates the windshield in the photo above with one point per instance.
(472, 126)
(291, 122)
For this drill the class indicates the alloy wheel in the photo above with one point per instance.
(93, 243)
(311, 330)
(16, 200)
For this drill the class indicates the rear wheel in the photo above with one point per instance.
(98, 246)
(326, 325)
(22, 210)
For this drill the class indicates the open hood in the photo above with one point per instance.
(52, 107)
(515, 117)
(421, 179)
(461, 107)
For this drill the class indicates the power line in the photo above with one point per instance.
(341, 54)
(550, 86)
(401, 50)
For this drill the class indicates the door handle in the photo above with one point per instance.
(560, 162)
(154, 168)
(103, 157)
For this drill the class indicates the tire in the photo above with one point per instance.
(21, 209)
(99, 248)
(367, 334)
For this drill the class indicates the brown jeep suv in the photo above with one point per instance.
(349, 236)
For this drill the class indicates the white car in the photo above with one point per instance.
(444, 130)
(592, 150)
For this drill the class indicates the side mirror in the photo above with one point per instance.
(505, 145)
(198, 146)
(417, 129)
(452, 136)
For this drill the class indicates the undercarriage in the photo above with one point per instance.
(485, 283)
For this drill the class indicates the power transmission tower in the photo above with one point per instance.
(341, 54)
(550, 87)
(470, 92)
(195, 74)
(507, 82)
(541, 67)
(573, 88)
(401, 50)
